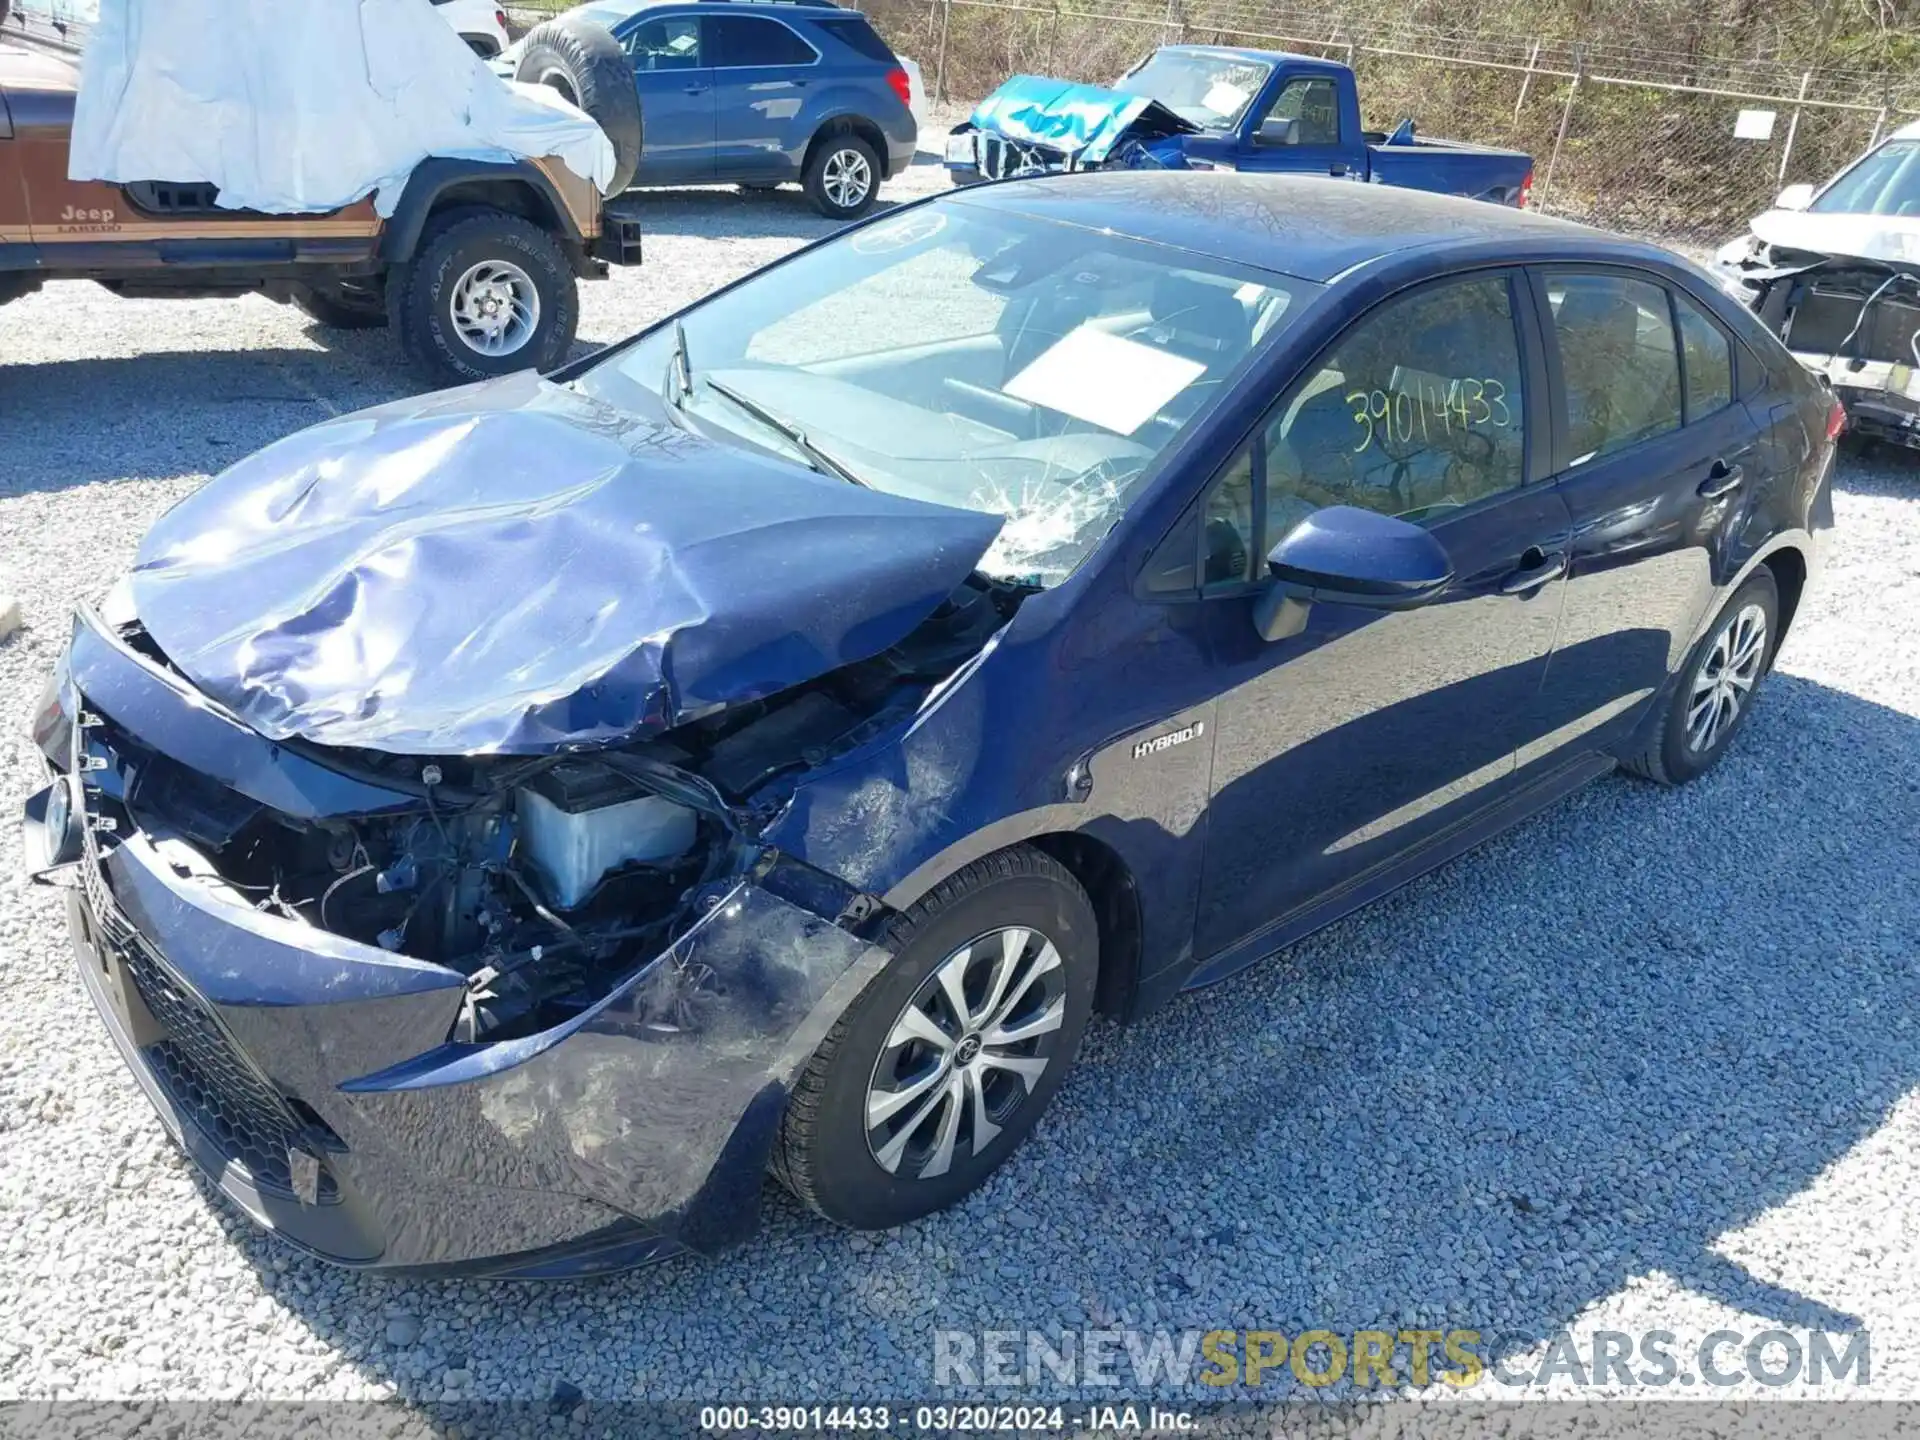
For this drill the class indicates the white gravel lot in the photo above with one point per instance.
(1650, 1061)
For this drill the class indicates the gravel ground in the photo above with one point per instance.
(1649, 1060)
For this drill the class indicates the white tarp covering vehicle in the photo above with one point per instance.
(360, 92)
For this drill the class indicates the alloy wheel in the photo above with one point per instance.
(966, 1052)
(1726, 677)
(496, 308)
(846, 178)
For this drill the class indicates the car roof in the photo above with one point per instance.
(1242, 52)
(611, 12)
(1306, 227)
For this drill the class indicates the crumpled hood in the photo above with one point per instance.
(1083, 121)
(1894, 239)
(515, 568)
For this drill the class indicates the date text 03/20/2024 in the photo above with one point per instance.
(943, 1419)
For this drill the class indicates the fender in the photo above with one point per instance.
(432, 179)
(904, 813)
(837, 102)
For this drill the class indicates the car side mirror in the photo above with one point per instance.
(1794, 197)
(1343, 555)
(1275, 131)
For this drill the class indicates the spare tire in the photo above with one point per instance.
(586, 65)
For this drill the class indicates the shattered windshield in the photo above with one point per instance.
(1886, 182)
(970, 358)
(1211, 91)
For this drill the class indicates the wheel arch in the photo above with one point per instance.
(1101, 869)
(847, 123)
(1789, 567)
(440, 185)
(1109, 884)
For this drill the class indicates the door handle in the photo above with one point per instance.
(696, 90)
(1536, 569)
(1722, 479)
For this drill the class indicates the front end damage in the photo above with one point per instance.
(525, 1014)
(1037, 126)
(1853, 319)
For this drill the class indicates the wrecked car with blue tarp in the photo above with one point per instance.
(1217, 107)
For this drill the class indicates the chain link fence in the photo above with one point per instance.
(1636, 140)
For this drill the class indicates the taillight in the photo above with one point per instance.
(1526, 191)
(1836, 421)
(902, 86)
(500, 18)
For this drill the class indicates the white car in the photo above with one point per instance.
(481, 23)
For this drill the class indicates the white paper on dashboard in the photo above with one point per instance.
(1224, 99)
(1106, 380)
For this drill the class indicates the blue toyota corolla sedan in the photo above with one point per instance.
(501, 826)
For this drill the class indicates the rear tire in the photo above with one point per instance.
(1725, 670)
(340, 309)
(843, 176)
(483, 263)
(585, 64)
(983, 1078)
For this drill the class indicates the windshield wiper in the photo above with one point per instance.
(678, 380)
(788, 431)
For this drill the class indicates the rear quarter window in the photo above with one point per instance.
(747, 40)
(857, 33)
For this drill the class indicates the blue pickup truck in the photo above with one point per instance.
(1201, 107)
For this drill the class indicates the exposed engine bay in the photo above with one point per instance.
(546, 880)
(1853, 320)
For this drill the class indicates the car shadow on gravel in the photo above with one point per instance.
(726, 212)
(166, 413)
(1588, 1052)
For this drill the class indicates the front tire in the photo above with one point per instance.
(1717, 689)
(488, 294)
(843, 177)
(945, 1062)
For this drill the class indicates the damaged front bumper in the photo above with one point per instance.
(1037, 126)
(1882, 397)
(317, 1080)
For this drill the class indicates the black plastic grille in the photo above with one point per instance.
(219, 1092)
(214, 1089)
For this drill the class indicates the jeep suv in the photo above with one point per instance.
(476, 271)
(752, 92)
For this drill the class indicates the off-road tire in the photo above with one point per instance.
(339, 310)
(1664, 755)
(821, 156)
(585, 64)
(420, 295)
(822, 1153)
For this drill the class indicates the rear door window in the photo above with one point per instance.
(740, 41)
(1618, 360)
(1709, 360)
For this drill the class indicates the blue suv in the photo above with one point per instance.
(757, 92)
